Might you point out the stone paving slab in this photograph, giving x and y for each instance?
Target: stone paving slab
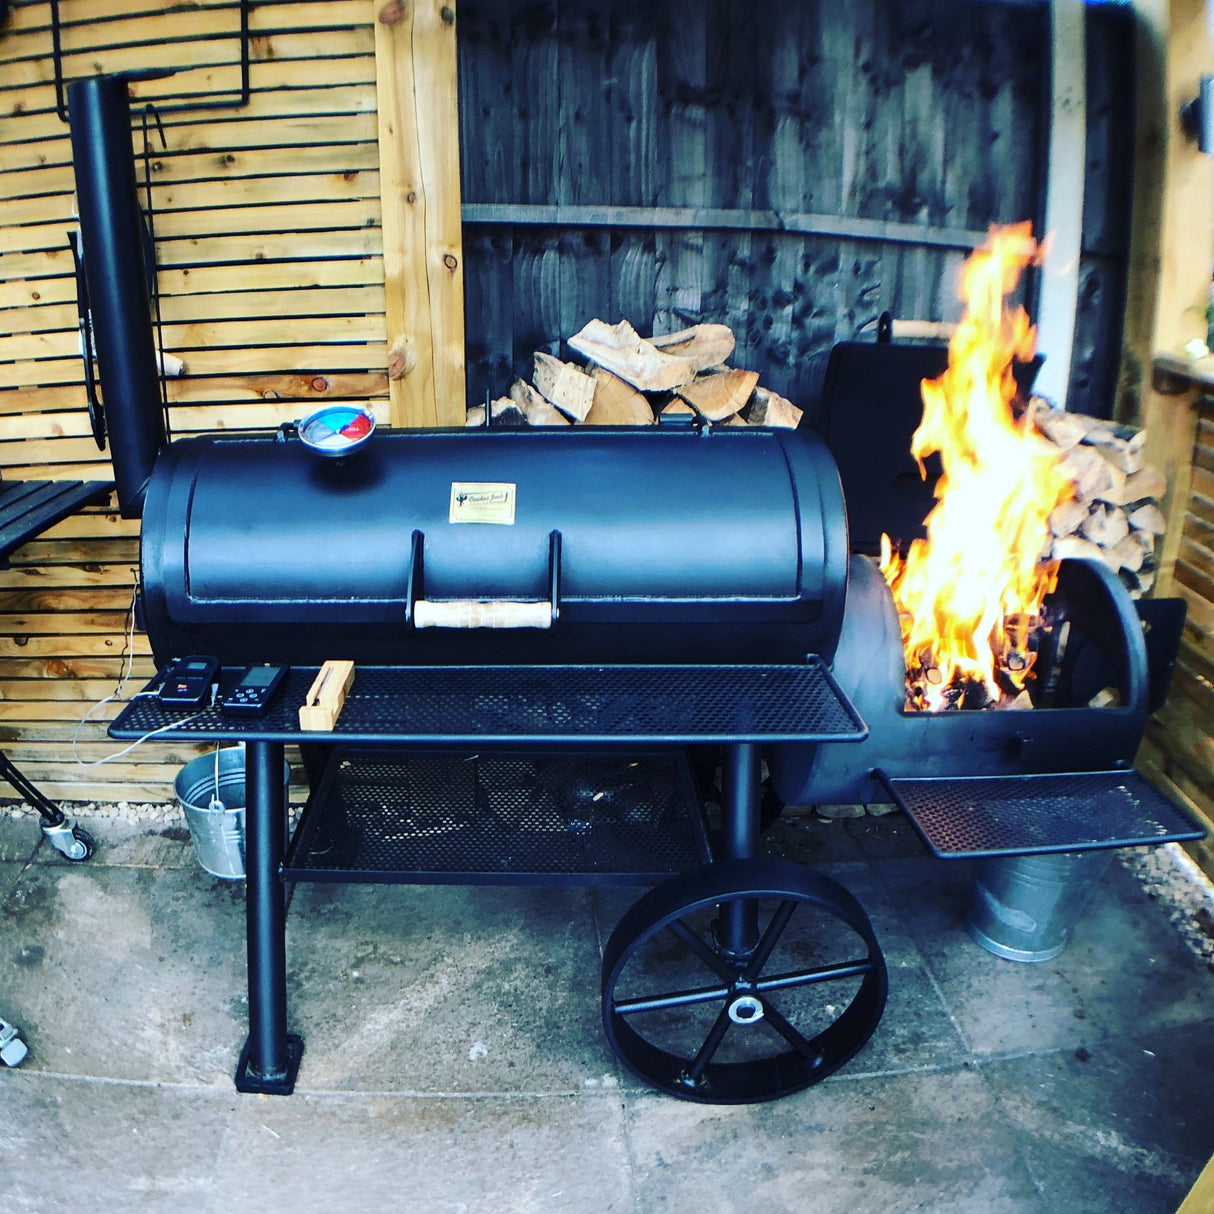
(929, 1141)
(1113, 1117)
(126, 973)
(69, 1144)
(515, 1155)
(445, 989)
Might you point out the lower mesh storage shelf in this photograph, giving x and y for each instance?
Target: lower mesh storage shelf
(498, 818)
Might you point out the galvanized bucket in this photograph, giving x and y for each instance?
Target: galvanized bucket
(217, 834)
(1023, 908)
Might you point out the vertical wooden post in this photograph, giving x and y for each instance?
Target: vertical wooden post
(415, 67)
(1064, 199)
(1187, 249)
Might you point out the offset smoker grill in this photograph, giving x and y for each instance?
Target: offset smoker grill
(685, 591)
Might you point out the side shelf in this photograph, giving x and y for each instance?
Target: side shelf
(1027, 815)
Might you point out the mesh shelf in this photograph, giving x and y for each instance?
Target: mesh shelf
(394, 816)
(542, 704)
(1024, 815)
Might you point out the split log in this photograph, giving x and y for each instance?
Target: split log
(475, 416)
(1149, 519)
(678, 408)
(570, 390)
(1095, 478)
(770, 409)
(1105, 527)
(622, 351)
(719, 394)
(1149, 483)
(505, 412)
(703, 346)
(1129, 553)
(1066, 518)
(537, 410)
(1072, 547)
(1063, 429)
(617, 403)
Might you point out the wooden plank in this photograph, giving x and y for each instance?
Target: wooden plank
(1171, 425)
(422, 242)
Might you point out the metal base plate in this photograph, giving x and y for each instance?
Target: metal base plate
(1032, 814)
(284, 1085)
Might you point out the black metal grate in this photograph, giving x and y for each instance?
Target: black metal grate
(1024, 815)
(545, 704)
(382, 815)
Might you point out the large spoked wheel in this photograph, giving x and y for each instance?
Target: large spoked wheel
(708, 1010)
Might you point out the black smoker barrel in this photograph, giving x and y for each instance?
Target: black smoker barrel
(661, 546)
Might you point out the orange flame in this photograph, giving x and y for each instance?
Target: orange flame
(978, 573)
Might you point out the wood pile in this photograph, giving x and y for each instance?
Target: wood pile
(623, 379)
(1114, 516)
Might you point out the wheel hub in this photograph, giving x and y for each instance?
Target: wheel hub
(745, 1009)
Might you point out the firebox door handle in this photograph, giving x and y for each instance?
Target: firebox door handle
(493, 613)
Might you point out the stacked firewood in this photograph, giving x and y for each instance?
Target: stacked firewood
(628, 380)
(1114, 516)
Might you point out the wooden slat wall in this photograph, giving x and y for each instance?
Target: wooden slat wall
(1178, 751)
(268, 227)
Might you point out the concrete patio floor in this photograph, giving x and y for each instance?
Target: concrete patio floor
(455, 1059)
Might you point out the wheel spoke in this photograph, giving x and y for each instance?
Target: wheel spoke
(771, 937)
(716, 1035)
(653, 1003)
(821, 973)
(702, 950)
(797, 1040)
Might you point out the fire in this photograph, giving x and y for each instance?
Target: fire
(965, 593)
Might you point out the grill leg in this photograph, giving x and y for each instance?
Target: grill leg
(270, 1060)
(738, 929)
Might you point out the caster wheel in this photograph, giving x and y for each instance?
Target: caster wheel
(82, 846)
(797, 993)
(85, 845)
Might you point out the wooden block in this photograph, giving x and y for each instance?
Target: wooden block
(564, 385)
(719, 394)
(622, 351)
(704, 346)
(326, 696)
(617, 403)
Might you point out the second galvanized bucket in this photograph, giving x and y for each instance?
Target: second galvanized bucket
(1024, 907)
